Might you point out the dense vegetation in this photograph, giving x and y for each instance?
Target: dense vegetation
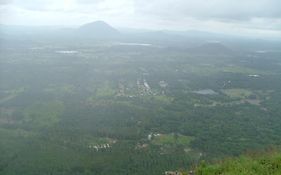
(253, 164)
(73, 107)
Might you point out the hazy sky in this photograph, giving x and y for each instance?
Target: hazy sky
(257, 17)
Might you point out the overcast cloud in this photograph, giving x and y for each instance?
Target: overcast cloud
(228, 16)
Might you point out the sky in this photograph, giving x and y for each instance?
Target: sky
(245, 17)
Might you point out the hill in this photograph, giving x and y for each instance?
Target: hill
(98, 29)
(212, 48)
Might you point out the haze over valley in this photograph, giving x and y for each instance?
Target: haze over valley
(115, 98)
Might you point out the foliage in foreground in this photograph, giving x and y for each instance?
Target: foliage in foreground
(268, 163)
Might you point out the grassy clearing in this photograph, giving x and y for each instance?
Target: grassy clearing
(237, 93)
(171, 139)
(99, 140)
(60, 89)
(163, 99)
(12, 94)
(200, 70)
(15, 133)
(242, 70)
(43, 114)
(105, 90)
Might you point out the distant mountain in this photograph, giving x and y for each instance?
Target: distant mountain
(212, 48)
(98, 29)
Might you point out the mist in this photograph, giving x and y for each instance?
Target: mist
(136, 87)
